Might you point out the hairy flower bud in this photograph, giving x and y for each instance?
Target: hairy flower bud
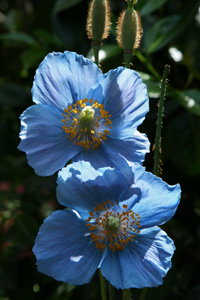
(129, 30)
(98, 21)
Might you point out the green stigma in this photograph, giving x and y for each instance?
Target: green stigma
(113, 224)
(86, 118)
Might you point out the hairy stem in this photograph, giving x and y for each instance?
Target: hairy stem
(159, 121)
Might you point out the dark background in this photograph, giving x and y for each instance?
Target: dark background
(31, 29)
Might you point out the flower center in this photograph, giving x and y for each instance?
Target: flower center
(86, 118)
(112, 226)
(87, 125)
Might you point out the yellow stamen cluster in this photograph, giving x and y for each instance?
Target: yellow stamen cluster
(83, 121)
(127, 226)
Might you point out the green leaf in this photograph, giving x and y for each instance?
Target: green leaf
(33, 57)
(48, 38)
(153, 86)
(147, 7)
(161, 33)
(18, 38)
(190, 99)
(12, 21)
(26, 228)
(13, 95)
(61, 5)
(181, 142)
(6, 279)
(191, 51)
(69, 23)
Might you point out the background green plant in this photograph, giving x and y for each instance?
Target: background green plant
(29, 30)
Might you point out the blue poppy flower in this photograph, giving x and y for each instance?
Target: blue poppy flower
(82, 114)
(111, 224)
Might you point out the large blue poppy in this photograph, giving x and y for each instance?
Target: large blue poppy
(110, 223)
(82, 114)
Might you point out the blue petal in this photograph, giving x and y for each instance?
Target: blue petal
(81, 187)
(64, 250)
(142, 263)
(132, 149)
(159, 200)
(124, 96)
(64, 78)
(103, 157)
(43, 139)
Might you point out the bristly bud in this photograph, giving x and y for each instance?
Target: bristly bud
(129, 30)
(98, 21)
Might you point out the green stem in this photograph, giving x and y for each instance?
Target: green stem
(148, 65)
(103, 286)
(131, 3)
(159, 122)
(189, 80)
(96, 47)
(126, 294)
(127, 57)
(111, 291)
(143, 294)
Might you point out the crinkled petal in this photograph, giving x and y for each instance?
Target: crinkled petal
(64, 78)
(64, 250)
(104, 156)
(81, 187)
(142, 263)
(132, 149)
(124, 96)
(43, 139)
(159, 201)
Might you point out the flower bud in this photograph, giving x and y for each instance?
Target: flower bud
(98, 21)
(129, 30)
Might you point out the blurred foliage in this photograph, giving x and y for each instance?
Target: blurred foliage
(30, 29)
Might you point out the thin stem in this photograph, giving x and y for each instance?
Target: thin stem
(131, 3)
(189, 80)
(127, 57)
(149, 66)
(143, 294)
(111, 291)
(126, 294)
(103, 286)
(96, 47)
(159, 122)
